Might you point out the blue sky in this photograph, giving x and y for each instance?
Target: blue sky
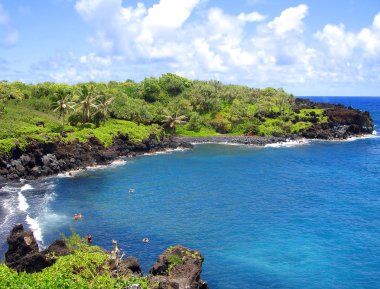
(309, 47)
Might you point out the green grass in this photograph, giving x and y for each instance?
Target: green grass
(273, 126)
(300, 126)
(18, 126)
(174, 260)
(305, 114)
(86, 267)
(107, 132)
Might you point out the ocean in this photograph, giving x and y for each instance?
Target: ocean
(284, 216)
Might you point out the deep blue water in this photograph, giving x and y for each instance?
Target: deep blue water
(296, 217)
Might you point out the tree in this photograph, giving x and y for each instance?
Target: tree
(87, 102)
(195, 121)
(63, 105)
(150, 89)
(220, 123)
(173, 84)
(171, 121)
(203, 97)
(104, 106)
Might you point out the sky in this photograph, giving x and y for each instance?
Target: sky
(310, 47)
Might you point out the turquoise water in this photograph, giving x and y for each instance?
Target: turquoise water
(289, 217)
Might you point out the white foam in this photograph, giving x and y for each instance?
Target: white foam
(7, 205)
(26, 187)
(9, 189)
(166, 151)
(287, 144)
(69, 174)
(22, 203)
(119, 162)
(35, 227)
(366, 136)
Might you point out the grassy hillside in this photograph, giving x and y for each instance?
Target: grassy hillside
(170, 103)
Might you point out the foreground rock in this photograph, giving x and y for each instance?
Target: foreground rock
(43, 159)
(23, 253)
(178, 268)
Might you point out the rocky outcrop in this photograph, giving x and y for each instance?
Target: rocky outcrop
(342, 122)
(43, 159)
(23, 253)
(178, 268)
(127, 267)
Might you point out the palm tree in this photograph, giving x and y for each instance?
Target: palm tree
(170, 121)
(103, 107)
(63, 105)
(87, 103)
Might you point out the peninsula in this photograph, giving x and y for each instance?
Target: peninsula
(48, 128)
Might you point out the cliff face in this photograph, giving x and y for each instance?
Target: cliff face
(342, 122)
(44, 159)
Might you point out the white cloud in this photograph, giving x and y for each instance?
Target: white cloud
(251, 17)
(290, 20)
(68, 68)
(178, 36)
(342, 43)
(339, 42)
(8, 35)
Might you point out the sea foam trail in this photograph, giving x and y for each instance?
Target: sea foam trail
(35, 227)
(22, 203)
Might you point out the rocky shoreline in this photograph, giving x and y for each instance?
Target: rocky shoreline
(40, 159)
(23, 255)
(243, 140)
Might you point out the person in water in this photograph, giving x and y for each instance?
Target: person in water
(145, 240)
(78, 217)
(89, 238)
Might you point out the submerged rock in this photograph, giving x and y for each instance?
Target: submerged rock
(178, 268)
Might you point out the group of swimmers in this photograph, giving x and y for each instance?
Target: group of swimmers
(79, 216)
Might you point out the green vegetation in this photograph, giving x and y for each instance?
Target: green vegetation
(174, 260)
(86, 267)
(169, 104)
